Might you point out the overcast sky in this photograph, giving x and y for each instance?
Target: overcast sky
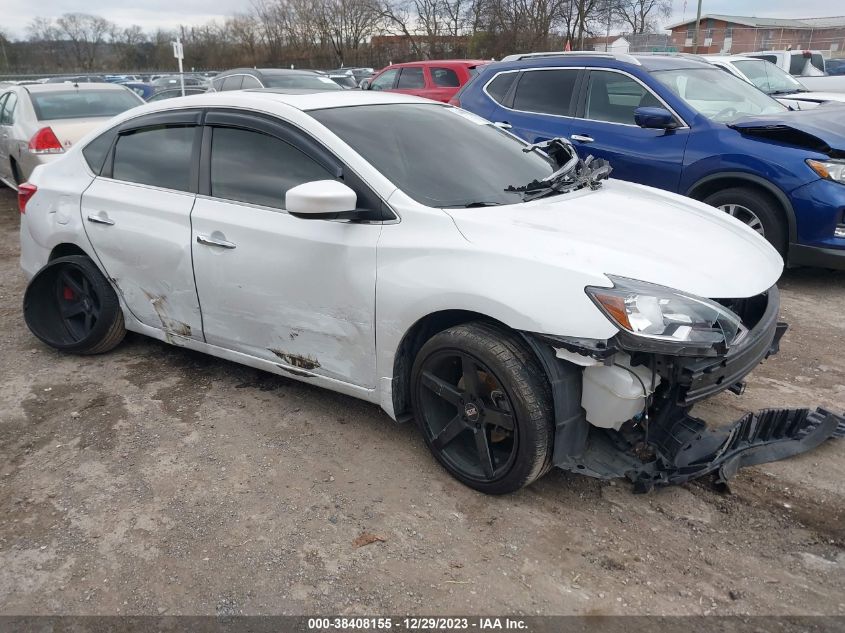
(15, 15)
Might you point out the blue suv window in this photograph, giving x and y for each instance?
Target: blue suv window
(498, 88)
(614, 97)
(546, 91)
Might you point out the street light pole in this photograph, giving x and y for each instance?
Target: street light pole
(697, 29)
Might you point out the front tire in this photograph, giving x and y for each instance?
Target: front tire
(484, 406)
(71, 307)
(758, 210)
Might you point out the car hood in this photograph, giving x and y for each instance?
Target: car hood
(819, 129)
(630, 231)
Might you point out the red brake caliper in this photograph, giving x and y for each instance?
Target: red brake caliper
(68, 294)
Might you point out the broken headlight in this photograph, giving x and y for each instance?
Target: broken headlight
(829, 169)
(670, 316)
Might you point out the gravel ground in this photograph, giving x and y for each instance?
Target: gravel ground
(156, 480)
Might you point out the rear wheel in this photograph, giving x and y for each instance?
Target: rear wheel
(484, 407)
(758, 210)
(71, 306)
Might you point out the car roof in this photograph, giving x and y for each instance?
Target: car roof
(442, 62)
(613, 60)
(83, 86)
(266, 71)
(268, 100)
(730, 58)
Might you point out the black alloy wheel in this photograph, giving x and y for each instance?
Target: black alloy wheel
(484, 407)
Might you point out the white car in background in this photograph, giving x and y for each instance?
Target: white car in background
(525, 310)
(40, 122)
(773, 81)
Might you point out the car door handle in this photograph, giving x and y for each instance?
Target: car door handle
(582, 138)
(503, 125)
(213, 241)
(101, 219)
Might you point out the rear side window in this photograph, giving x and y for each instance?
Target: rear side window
(96, 151)
(82, 104)
(411, 78)
(546, 91)
(499, 87)
(159, 156)
(445, 78)
(252, 167)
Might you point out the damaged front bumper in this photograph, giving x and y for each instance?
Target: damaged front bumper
(665, 444)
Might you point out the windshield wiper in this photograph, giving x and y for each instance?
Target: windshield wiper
(572, 173)
(472, 205)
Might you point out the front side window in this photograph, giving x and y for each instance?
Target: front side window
(82, 104)
(718, 96)
(614, 97)
(252, 167)
(250, 82)
(411, 79)
(233, 82)
(465, 159)
(385, 80)
(7, 112)
(159, 156)
(445, 78)
(546, 91)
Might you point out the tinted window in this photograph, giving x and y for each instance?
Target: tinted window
(7, 116)
(232, 82)
(250, 83)
(445, 78)
(158, 156)
(82, 104)
(613, 97)
(411, 78)
(257, 168)
(467, 159)
(499, 87)
(545, 91)
(384, 81)
(95, 152)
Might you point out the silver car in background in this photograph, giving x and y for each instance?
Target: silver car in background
(41, 121)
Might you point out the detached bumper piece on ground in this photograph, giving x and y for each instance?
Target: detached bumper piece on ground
(679, 449)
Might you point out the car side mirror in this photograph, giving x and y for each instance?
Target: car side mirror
(655, 118)
(321, 200)
(365, 84)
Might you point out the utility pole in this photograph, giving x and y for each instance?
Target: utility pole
(697, 29)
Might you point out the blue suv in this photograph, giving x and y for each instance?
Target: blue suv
(681, 124)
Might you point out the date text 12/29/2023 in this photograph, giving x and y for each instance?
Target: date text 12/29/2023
(426, 623)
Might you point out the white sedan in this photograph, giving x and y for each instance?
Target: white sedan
(525, 310)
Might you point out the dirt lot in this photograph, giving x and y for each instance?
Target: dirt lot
(155, 480)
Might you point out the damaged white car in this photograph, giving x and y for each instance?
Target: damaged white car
(525, 310)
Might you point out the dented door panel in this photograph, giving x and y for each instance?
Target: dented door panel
(141, 236)
(299, 293)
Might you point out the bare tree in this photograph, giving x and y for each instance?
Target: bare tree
(86, 33)
(641, 16)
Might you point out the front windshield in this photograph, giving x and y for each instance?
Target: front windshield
(716, 94)
(440, 156)
(300, 82)
(768, 77)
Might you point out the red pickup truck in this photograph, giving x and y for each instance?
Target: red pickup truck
(438, 80)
